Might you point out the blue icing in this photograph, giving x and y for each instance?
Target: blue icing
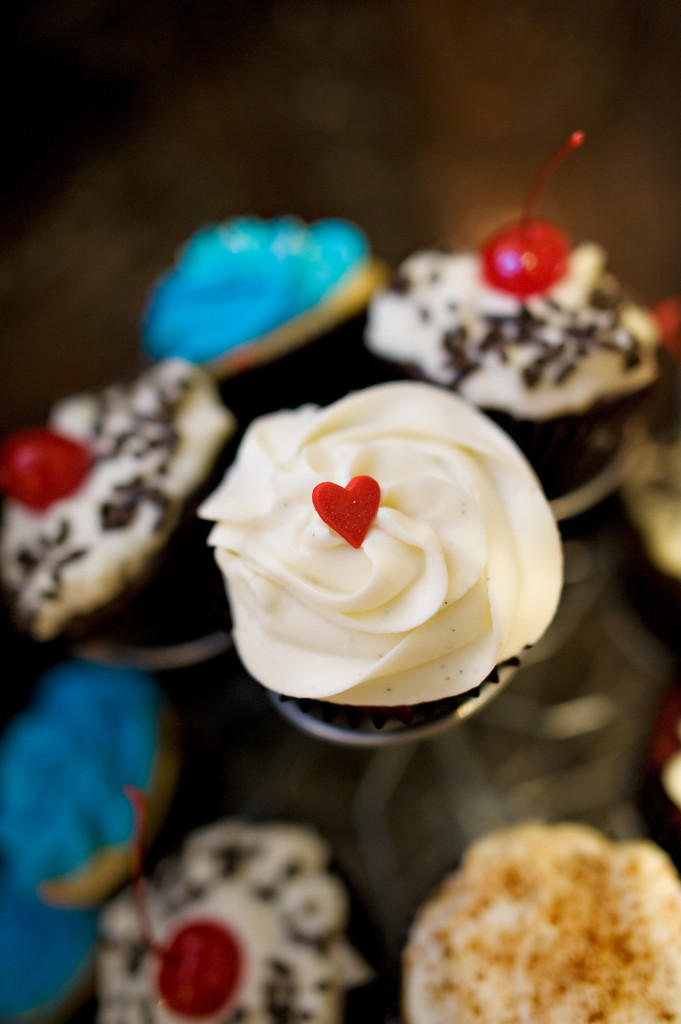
(236, 281)
(63, 763)
(41, 950)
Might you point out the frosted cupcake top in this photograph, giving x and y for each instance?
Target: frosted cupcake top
(63, 763)
(46, 955)
(460, 567)
(550, 354)
(153, 443)
(269, 887)
(549, 925)
(239, 280)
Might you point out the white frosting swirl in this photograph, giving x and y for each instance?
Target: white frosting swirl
(552, 354)
(459, 571)
(270, 886)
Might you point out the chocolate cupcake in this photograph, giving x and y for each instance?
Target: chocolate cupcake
(568, 371)
(99, 503)
(384, 557)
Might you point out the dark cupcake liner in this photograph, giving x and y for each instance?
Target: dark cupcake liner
(568, 452)
(378, 725)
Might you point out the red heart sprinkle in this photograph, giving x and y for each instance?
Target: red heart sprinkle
(348, 510)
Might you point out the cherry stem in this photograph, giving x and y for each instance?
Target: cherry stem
(537, 187)
(139, 803)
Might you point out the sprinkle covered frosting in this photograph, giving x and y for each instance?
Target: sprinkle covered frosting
(459, 570)
(239, 280)
(549, 925)
(269, 886)
(550, 354)
(63, 762)
(154, 442)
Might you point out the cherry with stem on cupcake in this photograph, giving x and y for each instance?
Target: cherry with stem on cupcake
(39, 466)
(201, 965)
(529, 255)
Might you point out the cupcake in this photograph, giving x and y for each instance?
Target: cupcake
(95, 504)
(537, 333)
(544, 924)
(257, 897)
(65, 824)
(383, 556)
(661, 789)
(247, 292)
(46, 958)
(651, 498)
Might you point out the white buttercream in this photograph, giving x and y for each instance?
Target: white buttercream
(459, 571)
(124, 452)
(443, 293)
(549, 925)
(269, 885)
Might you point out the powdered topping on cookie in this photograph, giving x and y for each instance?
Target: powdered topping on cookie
(153, 443)
(458, 570)
(548, 354)
(549, 925)
(268, 885)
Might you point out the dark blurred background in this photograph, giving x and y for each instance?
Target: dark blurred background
(129, 123)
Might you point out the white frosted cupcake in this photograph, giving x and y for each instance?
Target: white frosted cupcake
(563, 369)
(388, 552)
(549, 925)
(94, 503)
(262, 900)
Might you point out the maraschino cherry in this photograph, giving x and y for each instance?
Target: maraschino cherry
(528, 256)
(38, 466)
(201, 965)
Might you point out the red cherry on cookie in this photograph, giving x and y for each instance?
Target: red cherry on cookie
(200, 969)
(348, 510)
(201, 966)
(39, 466)
(529, 255)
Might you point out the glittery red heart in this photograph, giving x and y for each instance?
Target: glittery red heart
(348, 510)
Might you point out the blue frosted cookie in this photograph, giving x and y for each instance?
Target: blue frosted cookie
(65, 823)
(246, 291)
(46, 957)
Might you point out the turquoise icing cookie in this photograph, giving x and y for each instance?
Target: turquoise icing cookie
(44, 953)
(63, 762)
(239, 280)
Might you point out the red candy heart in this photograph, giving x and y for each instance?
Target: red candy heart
(348, 510)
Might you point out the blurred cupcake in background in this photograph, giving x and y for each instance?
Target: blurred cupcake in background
(245, 922)
(537, 333)
(548, 923)
(248, 292)
(99, 506)
(65, 823)
(47, 957)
